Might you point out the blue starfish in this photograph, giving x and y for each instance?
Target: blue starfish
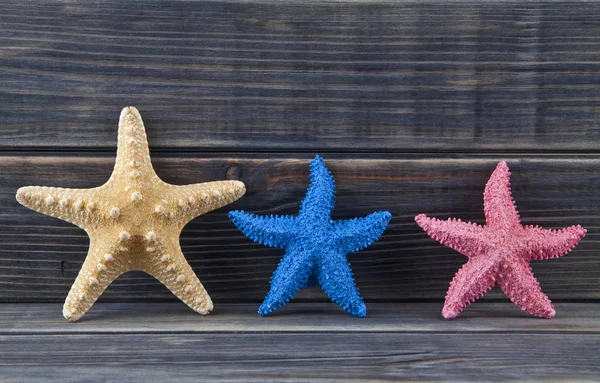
(316, 246)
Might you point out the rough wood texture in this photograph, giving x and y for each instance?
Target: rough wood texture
(41, 256)
(300, 357)
(431, 94)
(407, 345)
(303, 75)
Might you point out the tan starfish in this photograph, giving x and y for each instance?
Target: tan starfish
(134, 221)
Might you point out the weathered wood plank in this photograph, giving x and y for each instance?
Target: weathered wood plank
(109, 318)
(40, 256)
(303, 75)
(300, 357)
(302, 342)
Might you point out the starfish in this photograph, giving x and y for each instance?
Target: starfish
(499, 252)
(134, 221)
(316, 246)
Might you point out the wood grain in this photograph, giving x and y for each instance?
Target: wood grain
(411, 103)
(313, 317)
(397, 342)
(303, 75)
(303, 342)
(298, 357)
(41, 256)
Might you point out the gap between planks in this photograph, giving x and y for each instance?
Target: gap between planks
(351, 153)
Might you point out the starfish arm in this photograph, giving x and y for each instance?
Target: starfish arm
(291, 275)
(336, 279)
(545, 244)
(72, 205)
(133, 153)
(190, 201)
(273, 231)
(169, 266)
(465, 237)
(320, 196)
(498, 204)
(521, 287)
(100, 268)
(474, 279)
(358, 233)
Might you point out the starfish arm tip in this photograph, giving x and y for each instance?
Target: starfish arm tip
(428, 224)
(545, 312)
(581, 231)
(239, 188)
(262, 311)
(381, 220)
(265, 309)
(206, 308)
(233, 214)
(317, 164)
(360, 311)
(448, 313)
(130, 110)
(69, 315)
(237, 218)
(130, 116)
(22, 194)
(317, 159)
(72, 311)
(421, 219)
(425, 223)
(232, 189)
(385, 216)
(32, 196)
(318, 168)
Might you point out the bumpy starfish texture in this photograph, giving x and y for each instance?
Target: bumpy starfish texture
(499, 252)
(134, 221)
(316, 247)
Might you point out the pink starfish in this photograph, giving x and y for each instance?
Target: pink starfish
(499, 252)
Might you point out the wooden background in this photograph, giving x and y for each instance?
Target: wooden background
(411, 104)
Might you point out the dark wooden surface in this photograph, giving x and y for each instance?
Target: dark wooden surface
(307, 75)
(302, 342)
(41, 256)
(411, 103)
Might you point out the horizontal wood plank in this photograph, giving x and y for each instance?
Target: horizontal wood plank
(315, 317)
(296, 357)
(303, 75)
(302, 342)
(40, 256)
